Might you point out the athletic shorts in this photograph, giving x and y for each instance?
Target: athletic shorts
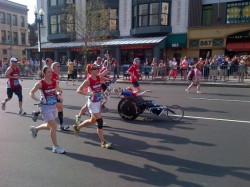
(17, 91)
(94, 107)
(48, 112)
(136, 84)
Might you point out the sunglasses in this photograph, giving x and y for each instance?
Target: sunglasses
(95, 68)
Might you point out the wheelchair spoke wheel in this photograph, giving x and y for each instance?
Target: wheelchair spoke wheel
(128, 108)
(175, 112)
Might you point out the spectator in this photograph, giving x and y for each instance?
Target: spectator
(154, 69)
(162, 69)
(115, 65)
(213, 72)
(223, 68)
(242, 68)
(183, 68)
(173, 72)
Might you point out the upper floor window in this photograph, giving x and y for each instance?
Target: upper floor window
(8, 19)
(150, 14)
(61, 2)
(23, 38)
(238, 12)
(61, 23)
(113, 19)
(3, 34)
(14, 20)
(206, 15)
(22, 21)
(2, 17)
(15, 38)
(52, 2)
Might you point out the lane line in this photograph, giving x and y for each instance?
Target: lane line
(226, 100)
(217, 119)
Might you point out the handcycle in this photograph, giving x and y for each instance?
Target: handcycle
(130, 107)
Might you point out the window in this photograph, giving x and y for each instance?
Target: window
(61, 2)
(154, 17)
(15, 38)
(206, 15)
(143, 15)
(164, 13)
(53, 24)
(194, 43)
(238, 12)
(8, 41)
(53, 3)
(14, 20)
(150, 14)
(218, 42)
(113, 19)
(61, 23)
(3, 34)
(23, 38)
(8, 19)
(5, 51)
(22, 22)
(2, 17)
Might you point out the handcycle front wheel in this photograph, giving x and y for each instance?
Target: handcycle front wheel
(174, 112)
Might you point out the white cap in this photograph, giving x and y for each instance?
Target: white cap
(13, 59)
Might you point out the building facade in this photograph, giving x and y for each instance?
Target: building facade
(13, 30)
(218, 27)
(138, 28)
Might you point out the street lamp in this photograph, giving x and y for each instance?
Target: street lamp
(39, 22)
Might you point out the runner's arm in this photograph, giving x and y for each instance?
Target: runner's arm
(81, 89)
(37, 86)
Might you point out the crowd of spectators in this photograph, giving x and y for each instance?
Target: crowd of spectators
(214, 68)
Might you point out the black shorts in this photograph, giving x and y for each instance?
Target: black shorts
(17, 91)
(136, 84)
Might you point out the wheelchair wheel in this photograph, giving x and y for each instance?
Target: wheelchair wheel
(128, 108)
(175, 112)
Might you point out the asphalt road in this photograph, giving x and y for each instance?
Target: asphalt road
(209, 147)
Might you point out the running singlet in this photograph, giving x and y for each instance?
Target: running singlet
(48, 92)
(95, 87)
(13, 83)
(135, 70)
(55, 76)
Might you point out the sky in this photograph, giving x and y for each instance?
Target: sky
(31, 6)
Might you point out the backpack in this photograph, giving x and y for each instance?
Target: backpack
(190, 75)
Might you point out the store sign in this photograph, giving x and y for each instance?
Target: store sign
(175, 45)
(245, 35)
(206, 43)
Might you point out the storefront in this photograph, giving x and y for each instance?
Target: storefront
(238, 44)
(176, 45)
(123, 49)
(221, 40)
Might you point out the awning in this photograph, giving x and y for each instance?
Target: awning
(238, 46)
(177, 40)
(113, 42)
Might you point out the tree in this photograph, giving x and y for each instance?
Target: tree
(90, 24)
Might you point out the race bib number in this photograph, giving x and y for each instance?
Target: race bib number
(51, 100)
(97, 97)
(16, 82)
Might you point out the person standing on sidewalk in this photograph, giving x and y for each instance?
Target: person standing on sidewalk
(50, 93)
(13, 85)
(134, 72)
(93, 83)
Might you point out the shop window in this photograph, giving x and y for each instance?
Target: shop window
(206, 15)
(218, 42)
(194, 43)
(238, 12)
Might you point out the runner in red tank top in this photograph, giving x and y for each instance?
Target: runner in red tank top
(49, 94)
(13, 85)
(94, 101)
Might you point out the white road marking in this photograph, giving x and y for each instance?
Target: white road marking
(217, 119)
(226, 100)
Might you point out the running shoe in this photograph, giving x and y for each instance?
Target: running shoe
(3, 106)
(187, 90)
(106, 145)
(76, 131)
(198, 92)
(58, 149)
(78, 119)
(64, 127)
(21, 112)
(33, 131)
(34, 116)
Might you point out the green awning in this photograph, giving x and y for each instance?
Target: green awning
(177, 40)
